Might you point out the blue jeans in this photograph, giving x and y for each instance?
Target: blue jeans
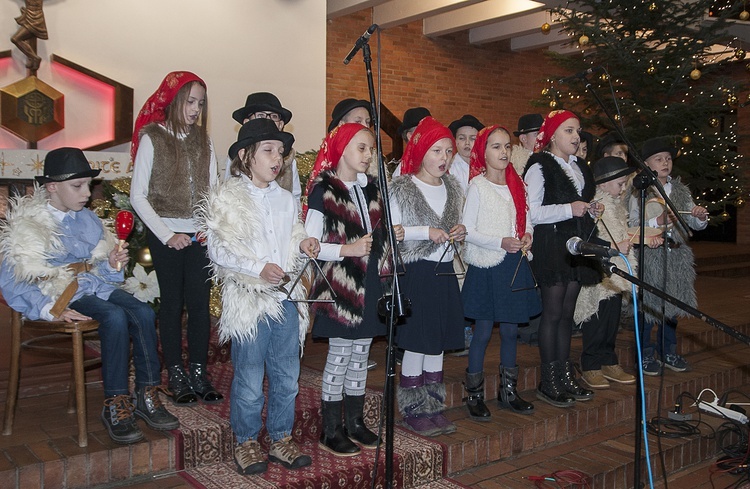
(664, 345)
(275, 346)
(121, 318)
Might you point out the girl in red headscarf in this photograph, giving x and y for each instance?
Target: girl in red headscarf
(345, 214)
(174, 166)
(497, 288)
(427, 202)
(561, 188)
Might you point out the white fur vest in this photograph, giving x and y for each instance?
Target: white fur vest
(229, 218)
(519, 157)
(27, 220)
(496, 217)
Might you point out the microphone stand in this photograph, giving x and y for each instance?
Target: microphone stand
(642, 181)
(392, 305)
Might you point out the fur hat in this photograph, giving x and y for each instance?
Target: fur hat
(66, 164)
(465, 120)
(256, 130)
(342, 108)
(261, 102)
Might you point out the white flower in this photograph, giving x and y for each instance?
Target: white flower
(143, 286)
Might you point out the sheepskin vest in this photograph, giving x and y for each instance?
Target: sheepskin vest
(27, 220)
(614, 219)
(180, 173)
(229, 218)
(415, 211)
(496, 217)
(519, 157)
(285, 178)
(342, 225)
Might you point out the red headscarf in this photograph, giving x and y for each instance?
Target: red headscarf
(478, 166)
(428, 132)
(549, 126)
(331, 150)
(154, 108)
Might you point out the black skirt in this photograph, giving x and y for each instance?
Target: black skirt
(552, 264)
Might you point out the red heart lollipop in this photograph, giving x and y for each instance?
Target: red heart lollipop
(123, 227)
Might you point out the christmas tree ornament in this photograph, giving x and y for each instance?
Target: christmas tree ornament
(653, 7)
(740, 54)
(695, 74)
(123, 227)
(732, 100)
(617, 117)
(739, 201)
(651, 70)
(553, 104)
(545, 91)
(686, 140)
(583, 40)
(724, 216)
(603, 77)
(546, 28)
(713, 122)
(744, 15)
(723, 168)
(144, 257)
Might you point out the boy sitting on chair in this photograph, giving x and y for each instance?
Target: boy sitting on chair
(59, 263)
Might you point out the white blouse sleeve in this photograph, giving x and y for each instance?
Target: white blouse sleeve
(543, 214)
(144, 162)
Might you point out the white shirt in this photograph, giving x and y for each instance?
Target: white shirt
(692, 221)
(471, 214)
(163, 227)
(315, 218)
(296, 186)
(549, 214)
(436, 196)
(460, 170)
(278, 213)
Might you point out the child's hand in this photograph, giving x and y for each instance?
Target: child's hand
(119, 254)
(526, 241)
(398, 230)
(511, 245)
(70, 315)
(655, 241)
(272, 273)
(359, 248)
(458, 232)
(179, 241)
(596, 209)
(579, 208)
(438, 236)
(623, 246)
(310, 247)
(699, 212)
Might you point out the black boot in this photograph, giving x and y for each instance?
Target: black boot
(474, 385)
(354, 423)
(179, 386)
(202, 386)
(150, 409)
(571, 384)
(551, 389)
(507, 395)
(332, 438)
(117, 417)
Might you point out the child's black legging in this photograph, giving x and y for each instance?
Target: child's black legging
(556, 322)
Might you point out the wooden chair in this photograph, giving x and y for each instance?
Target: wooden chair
(76, 331)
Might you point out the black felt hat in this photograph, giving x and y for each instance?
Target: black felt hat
(657, 145)
(261, 102)
(256, 130)
(66, 164)
(342, 108)
(411, 119)
(609, 168)
(465, 120)
(529, 123)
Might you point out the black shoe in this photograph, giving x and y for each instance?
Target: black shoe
(572, 386)
(202, 386)
(474, 385)
(354, 423)
(507, 394)
(150, 409)
(333, 439)
(117, 417)
(179, 386)
(551, 389)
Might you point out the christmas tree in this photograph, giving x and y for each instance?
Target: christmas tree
(663, 70)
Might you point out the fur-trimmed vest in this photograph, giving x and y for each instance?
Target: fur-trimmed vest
(495, 217)
(229, 218)
(178, 177)
(28, 218)
(614, 219)
(342, 225)
(519, 157)
(415, 211)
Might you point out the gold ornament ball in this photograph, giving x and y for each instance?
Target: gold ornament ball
(724, 216)
(723, 168)
(744, 15)
(651, 70)
(617, 117)
(713, 122)
(583, 40)
(552, 104)
(603, 77)
(740, 54)
(546, 28)
(739, 201)
(653, 7)
(695, 74)
(732, 100)
(144, 257)
(686, 140)
(545, 91)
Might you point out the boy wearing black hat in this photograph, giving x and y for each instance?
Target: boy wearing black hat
(676, 255)
(528, 128)
(59, 263)
(265, 105)
(351, 110)
(465, 132)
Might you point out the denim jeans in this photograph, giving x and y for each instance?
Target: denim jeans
(275, 346)
(663, 345)
(121, 318)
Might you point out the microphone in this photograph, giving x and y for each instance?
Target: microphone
(577, 246)
(582, 74)
(360, 42)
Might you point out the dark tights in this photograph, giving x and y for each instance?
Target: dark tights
(556, 322)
